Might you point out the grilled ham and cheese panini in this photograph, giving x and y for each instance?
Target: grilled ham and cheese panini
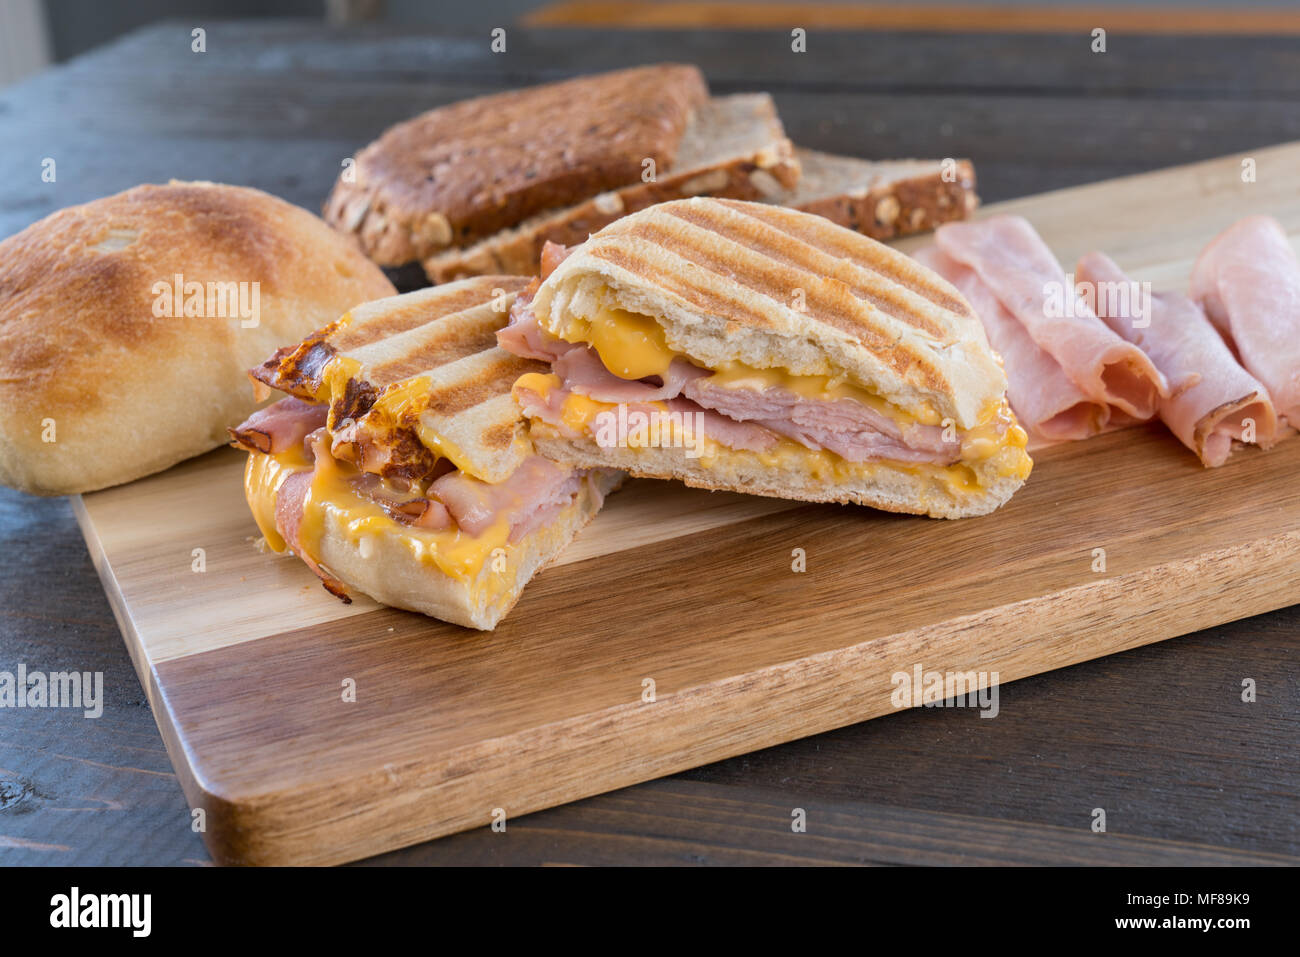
(399, 465)
(780, 355)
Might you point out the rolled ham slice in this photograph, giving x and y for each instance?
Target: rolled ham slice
(1212, 398)
(1019, 269)
(1043, 397)
(1248, 281)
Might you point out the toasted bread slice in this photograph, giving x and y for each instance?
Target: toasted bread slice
(734, 146)
(461, 172)
(883, 199)
(416, 377)
(780, 305)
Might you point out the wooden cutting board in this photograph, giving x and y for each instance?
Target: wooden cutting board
(245, 662)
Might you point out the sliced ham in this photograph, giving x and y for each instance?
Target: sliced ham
(523, 335)
(746, 436)
(1043, 397)
(552, 255)
(583, 372)
(1212, 397)
(1248, 281)
(850, 429)
(1019, 269)
(290, 499)
(402, 501)
(280, 426)
(477, 506)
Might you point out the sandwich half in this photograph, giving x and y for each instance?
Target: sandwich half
(741, 346)
(398, 464)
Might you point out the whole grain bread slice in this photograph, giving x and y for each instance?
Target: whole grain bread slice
(733, 147)
(459, 173)
(883, 199)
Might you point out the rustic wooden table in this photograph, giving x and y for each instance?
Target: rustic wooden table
(1158, 736)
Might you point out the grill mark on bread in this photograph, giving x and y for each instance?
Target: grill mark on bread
(826, 299)
(679, 283)
(811, 253)
(434, 344)
(500, 436)
(802, 258)
(902, 271)
(473, 389)
(385, 319)
(430, 356)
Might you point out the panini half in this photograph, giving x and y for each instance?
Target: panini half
(399, 466)
(778, 354)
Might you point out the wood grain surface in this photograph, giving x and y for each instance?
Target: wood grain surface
(1157, 735)
(245, 661)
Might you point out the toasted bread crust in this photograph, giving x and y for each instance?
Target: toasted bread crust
(129, 392)
(461, 172)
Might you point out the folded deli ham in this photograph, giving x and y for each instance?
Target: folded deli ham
(735, 416)
(1043, 397)
(1212, 399)
(1015, 264)
(1248, 280)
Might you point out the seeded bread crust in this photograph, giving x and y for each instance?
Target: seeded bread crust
(886, 199)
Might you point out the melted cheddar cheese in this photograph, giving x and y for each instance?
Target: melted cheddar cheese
(633, 346)
(452, 551)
